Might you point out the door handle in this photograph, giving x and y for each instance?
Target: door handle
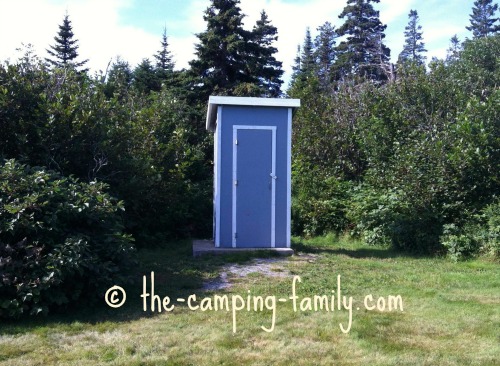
(273, 176)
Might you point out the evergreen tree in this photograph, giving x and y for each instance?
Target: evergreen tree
(363, 53)
(65, 50)
(307, 57)
(263, 65)
(145, 79)
(324, 52)
(483, 21)
(119, 78)
(163, 56)
(304, 62)
(453, 52)
(296, 65)
(414, 47)
(220, 64)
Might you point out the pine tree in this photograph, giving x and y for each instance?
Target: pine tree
(65, 50)
(324, 52)
(483, 21)
(263, 66)
(220, 65)
(363, 53)
(163, 56)
(414, 47)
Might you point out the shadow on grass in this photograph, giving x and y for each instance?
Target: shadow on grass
(337, 248)
(177, 274)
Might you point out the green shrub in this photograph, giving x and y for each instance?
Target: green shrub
(372, 213)
(479, 235)
(461, 243)
(491, 242)
(386, 217)
(318, 204)
(61, 241)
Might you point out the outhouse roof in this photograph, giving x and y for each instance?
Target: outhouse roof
(215, 101)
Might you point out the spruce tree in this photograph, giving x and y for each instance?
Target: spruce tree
(163, 57)
(220, 64)
(414, 47)
(296, 65)
(483, 20)
(304, 63)
(119, 79)
(363, 54)
(307, 57)
(453, 52)
(145, 78)
(324, 52)
(65, 50)
(263, 66)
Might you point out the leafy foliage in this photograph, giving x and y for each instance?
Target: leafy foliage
(412, 163)
(150, 148)
(61, 240)
(421, 153)
(479, 235)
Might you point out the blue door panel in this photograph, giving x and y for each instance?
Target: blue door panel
(254, 188)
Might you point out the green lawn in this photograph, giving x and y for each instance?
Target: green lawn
(451, 314)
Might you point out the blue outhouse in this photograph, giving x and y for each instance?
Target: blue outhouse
(252, 170)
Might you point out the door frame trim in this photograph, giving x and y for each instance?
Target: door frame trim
(273, 181)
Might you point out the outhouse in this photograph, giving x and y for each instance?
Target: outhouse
(252, 170)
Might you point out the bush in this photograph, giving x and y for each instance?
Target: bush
(491, 242)
(318, 203)
(61, 240)
(479, 235)
(386, 217)
(372, 214)
(461, 243)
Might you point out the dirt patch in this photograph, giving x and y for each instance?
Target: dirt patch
(272, 267)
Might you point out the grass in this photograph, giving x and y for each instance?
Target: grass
(451, 314)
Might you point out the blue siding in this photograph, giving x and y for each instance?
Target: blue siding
(253, 116)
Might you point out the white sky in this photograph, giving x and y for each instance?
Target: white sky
(132, 29)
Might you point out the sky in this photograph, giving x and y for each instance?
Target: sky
(132, 29)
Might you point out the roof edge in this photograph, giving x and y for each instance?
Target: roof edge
(215, 101)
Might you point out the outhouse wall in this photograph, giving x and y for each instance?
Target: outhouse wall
(227, 117)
